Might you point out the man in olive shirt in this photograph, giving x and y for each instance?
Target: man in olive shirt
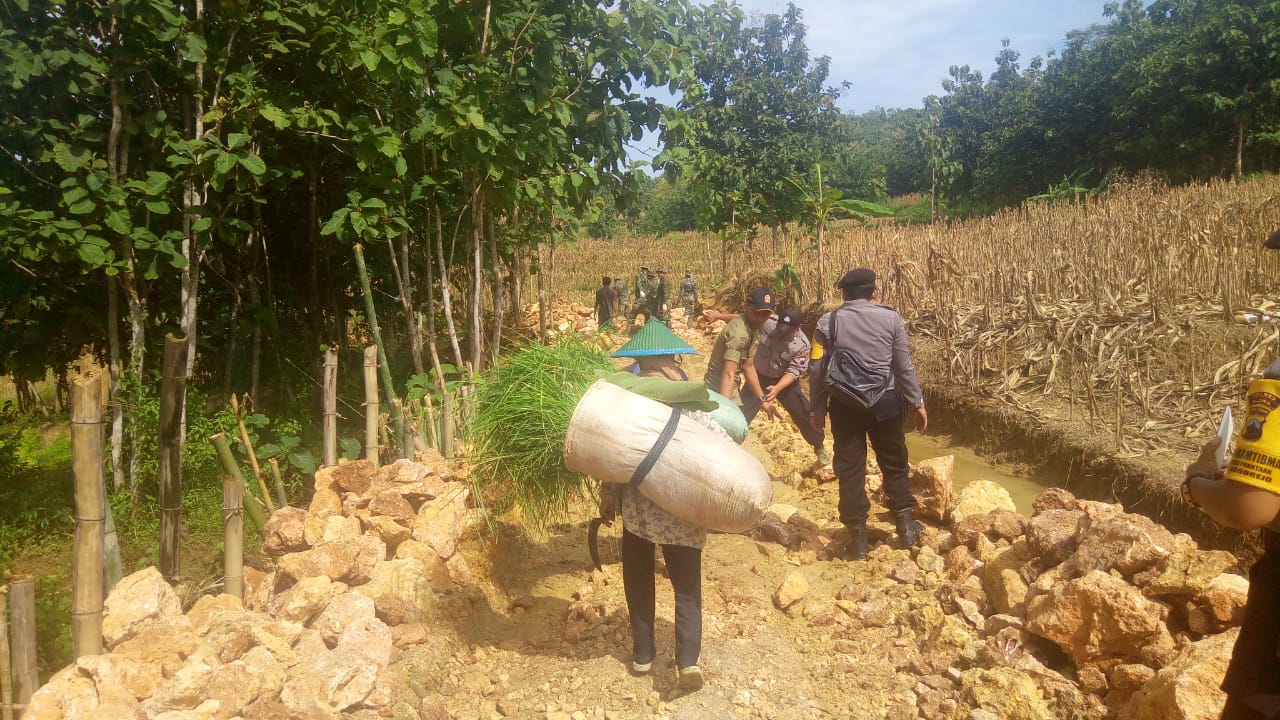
(735, 347)
(861, 372)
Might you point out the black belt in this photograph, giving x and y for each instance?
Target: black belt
(642, 470)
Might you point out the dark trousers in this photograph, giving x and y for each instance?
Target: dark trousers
(684, 565)
(1252, 681)
(793, 401)
(851, 426)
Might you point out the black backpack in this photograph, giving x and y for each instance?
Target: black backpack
(851, 378)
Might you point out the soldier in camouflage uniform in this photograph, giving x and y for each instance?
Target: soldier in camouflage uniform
(624, 297)
(643, 289)
(689, 296)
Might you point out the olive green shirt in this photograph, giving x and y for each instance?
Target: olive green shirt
(736, 343)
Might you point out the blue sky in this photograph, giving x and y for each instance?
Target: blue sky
(896, 52)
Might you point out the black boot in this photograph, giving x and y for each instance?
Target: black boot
(857, 547)
(908, 528)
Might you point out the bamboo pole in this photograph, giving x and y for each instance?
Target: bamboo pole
(374, 329)
(278, 482)
(232, 468)
(253, 456)
(233, 537)
(331, 407)
(172, 397)
(22, 611)
(6, 673)
(87, 461)
(371, 449)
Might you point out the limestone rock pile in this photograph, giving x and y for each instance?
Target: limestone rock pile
(1082, 610)
(356, 580)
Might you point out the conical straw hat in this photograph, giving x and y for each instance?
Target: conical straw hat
(654, 339)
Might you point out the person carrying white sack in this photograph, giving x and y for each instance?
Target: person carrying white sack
(646, 526)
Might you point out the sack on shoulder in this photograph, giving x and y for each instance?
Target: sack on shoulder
(855, 380)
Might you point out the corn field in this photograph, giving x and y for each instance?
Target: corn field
(1144, 310)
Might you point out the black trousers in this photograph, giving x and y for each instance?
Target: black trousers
(851, 426)
(1252, 681)
(793, 401)
(684, 565)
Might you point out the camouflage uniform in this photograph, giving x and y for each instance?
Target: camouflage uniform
(689, 296)
(644, 292)
(624, 297)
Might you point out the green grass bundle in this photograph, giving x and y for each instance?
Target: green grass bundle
(522, 413)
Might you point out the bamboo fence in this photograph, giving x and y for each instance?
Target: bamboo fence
(6, 669)
(233, 537)
(331, 407)
(172, 394)
(90, 499)
(22, 616)
(371, 421)
(229, 465)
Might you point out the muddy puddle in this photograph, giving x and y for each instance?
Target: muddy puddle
(970, 466)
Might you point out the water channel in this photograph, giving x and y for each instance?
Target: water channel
(970, 466)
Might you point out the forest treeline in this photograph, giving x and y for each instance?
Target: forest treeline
(210, 169)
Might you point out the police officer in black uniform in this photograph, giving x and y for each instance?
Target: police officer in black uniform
(862, 375)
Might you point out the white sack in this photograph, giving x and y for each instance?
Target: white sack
(700, 477)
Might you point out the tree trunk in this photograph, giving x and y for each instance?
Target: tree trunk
(495, 260)
(404, 281)
(1240, 128)
(542, 297)
(446, 296)
(822, 264)
(396, 415)
(137, 349)
(116, 367)
(477, 286)
(190, 243)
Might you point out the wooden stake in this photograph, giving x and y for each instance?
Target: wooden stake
(232, 468)
(253, 456)
(331, 407)
(172, 397)
(86, 572)
(22, 611)
(6, 673)
(279, 483)
(233, 537)
(371, 449)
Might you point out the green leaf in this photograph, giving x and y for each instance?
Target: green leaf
(118, 220)
(253, 164)
(275, 116)
(83, 207)
(194, 48)
(235, 140)
(475, 119)
(201, 224)
(304, 461)
(370, 59)
(334, 224)
(92, 255)
(223, 163)
(350, 448)
(158, 207)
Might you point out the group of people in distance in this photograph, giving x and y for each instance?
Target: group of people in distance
(653, 298)
(862, 377)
